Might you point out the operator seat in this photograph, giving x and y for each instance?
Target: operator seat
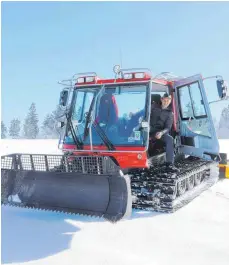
(108, 110)
(155, 99)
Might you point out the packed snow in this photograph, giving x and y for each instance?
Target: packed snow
(196, 234)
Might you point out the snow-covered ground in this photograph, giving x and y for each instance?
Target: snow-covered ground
(196, 234)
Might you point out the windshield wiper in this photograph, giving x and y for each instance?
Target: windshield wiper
(88, 118)
(77, 142)
(103, 136)
(96, 126)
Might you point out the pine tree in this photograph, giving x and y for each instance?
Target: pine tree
(223, 130)
(14, 130)
(31, 128)
(224, 119)
(3, 130)
(49, 126)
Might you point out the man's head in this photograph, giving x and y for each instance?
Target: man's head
(165, 100)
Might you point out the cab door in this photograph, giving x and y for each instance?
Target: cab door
(197, 135)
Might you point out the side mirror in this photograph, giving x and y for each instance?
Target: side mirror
(63, 98)
(222, 89)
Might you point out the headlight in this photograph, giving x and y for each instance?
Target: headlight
(139, 75)
(128, 76)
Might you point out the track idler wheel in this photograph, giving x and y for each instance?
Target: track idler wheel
(190, 182)
(181, 187)
(197, 179)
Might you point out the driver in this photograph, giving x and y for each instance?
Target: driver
(108, 110)
(107, 117)
(161, 121)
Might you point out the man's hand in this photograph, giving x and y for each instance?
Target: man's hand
(158, 135)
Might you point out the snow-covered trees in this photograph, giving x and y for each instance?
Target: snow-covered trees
(3, 130)
(31, 128)
(223, 131)
(49, 128)
(15, 127)
(224, 119)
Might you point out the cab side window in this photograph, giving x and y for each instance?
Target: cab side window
(192, 109)
(191, 101)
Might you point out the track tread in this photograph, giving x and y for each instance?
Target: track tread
(156, 188)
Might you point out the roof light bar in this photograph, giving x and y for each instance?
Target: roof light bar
(128, 76)
(80, 80)
(137, 72)
(86, 79)
(89, 79)
(139, 75)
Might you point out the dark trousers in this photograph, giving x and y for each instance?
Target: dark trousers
(169, 147)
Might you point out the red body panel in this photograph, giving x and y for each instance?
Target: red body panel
(125, 160)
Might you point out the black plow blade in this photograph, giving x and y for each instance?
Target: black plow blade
(85, 185)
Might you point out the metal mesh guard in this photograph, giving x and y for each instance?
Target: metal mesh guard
(59, 163)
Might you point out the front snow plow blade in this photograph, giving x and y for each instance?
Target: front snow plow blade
(89, 185)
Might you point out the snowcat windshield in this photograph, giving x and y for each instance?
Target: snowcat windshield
(118, 110)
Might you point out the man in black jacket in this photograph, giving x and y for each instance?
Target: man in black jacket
(161, 120)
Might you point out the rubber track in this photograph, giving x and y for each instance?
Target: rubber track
(156, 188)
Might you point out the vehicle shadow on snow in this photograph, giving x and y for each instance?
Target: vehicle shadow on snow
(31, 235)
